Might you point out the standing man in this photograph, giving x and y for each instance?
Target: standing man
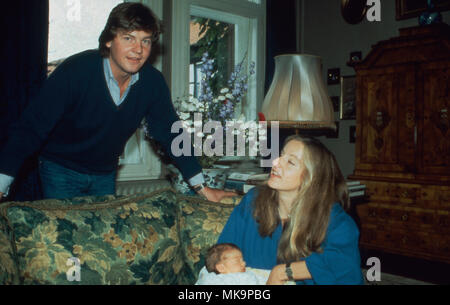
(90, 106)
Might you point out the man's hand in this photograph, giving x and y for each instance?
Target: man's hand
(215, 195)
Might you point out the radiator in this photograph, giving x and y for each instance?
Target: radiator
(138, 187)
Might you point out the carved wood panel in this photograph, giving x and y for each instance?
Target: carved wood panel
(388, 120)
(435, 136)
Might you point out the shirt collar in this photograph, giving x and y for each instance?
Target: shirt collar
(109, 75)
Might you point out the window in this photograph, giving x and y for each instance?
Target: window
(74, 26)
(217, 39)
(195, 75)
(243, 30)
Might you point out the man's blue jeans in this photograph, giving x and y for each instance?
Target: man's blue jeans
(60, 182)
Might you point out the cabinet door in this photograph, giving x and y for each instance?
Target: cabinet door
(434, 119)
(386, 121)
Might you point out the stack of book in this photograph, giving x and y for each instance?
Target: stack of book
(242, 183)
(356, 189)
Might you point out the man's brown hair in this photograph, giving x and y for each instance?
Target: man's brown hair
(128, 17)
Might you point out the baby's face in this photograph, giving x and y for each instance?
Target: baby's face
(232, 261)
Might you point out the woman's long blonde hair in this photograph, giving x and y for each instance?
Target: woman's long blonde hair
(323, 184)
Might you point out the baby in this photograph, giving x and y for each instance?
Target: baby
(225, 265)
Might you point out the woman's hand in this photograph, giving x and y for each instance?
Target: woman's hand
(277, 275)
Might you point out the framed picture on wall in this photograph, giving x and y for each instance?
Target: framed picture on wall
(405, 9)
(348, 98)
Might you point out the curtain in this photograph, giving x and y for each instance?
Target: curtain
(25, 40)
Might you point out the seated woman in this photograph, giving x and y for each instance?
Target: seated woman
(296, 224)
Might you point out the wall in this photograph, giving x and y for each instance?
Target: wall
(281, 33)
(324, 32)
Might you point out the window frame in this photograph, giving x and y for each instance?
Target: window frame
(250, 19)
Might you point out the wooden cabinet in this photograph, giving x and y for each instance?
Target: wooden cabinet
(403, 144)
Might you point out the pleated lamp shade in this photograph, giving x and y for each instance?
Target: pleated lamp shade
(297, 96)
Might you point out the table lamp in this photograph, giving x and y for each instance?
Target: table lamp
(297, 97)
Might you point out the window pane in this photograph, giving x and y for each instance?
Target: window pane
(75, 25)
(217, 39)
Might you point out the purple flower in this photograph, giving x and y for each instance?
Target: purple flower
(237, 88)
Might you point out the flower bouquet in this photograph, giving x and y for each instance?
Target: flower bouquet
(219, 108)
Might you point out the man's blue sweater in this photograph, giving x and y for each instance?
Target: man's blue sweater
(75, 122)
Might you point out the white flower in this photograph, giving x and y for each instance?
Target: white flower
(229, 96)
(198, 104)
(224, 90)
(222, 98)
(184, 116)
(251, 125)
(192, 108)
(241, 119)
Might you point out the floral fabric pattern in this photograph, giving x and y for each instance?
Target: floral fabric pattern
(129, 240)
(8, 268)
(156, 238)
(201, 223)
